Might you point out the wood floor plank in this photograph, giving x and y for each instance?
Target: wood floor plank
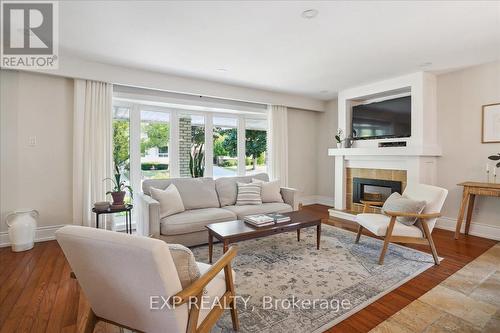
(56, 320)
(61, 305)
(48, 300)
(30, 311)
(24, 292)
(12, 288)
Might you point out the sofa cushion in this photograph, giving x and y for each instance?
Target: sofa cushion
(195, 192)
(401, 204)
(271, 191)
(265, 208)
(170, 200)
(227, 189)
(249, 194)
(193, 220)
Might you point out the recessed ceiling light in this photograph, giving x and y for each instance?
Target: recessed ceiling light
(309, 14)
(221, 69)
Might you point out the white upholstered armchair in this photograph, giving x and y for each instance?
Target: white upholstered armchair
(124, 277)
(386, 225)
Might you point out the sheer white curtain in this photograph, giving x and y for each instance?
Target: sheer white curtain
(92, 147)
(278, 143)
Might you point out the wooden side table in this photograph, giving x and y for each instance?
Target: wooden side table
(471, 189)
(128, 215)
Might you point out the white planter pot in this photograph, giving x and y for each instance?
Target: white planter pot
(22, 226)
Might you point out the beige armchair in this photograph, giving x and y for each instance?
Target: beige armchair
(386, 225)
(132, 282)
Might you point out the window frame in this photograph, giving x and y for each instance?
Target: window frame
(136, 107)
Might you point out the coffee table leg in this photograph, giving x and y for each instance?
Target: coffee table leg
(298, 235)
(210, 246)
(318, 235)
(224, 250)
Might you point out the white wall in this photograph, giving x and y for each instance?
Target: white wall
(38, 177)
(302, 152)
(460, 96)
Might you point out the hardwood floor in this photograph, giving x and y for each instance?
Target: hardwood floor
(38, 295)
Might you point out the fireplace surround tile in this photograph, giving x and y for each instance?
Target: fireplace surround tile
(379, 174)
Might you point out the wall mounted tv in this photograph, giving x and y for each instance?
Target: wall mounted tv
(389, 118)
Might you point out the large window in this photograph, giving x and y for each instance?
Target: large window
(156, 142)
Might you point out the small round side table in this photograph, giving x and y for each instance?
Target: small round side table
(111, 210)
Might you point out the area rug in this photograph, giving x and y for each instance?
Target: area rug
(289, 286)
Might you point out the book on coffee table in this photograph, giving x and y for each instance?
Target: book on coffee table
(261, 220)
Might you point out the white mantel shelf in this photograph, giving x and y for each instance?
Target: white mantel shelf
(386, 151)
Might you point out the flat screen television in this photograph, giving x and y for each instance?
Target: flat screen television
(390, 118)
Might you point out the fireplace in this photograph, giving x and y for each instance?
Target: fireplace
(373, 189)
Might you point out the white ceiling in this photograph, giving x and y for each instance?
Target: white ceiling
(268, 45)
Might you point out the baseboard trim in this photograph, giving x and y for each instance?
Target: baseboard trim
(317, 199)
(42, 234)
(476, 229)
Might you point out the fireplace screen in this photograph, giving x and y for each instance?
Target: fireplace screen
(373, 189)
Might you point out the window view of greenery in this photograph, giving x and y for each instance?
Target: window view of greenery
(255, 145)
(255, 151)
(155, 138)
(225, 147)
(121, 149)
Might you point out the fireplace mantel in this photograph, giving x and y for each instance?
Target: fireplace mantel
(388, 151)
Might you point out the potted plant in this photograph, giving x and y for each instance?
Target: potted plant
(119, 186)
(338, 137)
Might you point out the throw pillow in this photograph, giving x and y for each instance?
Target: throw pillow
(271, 191)
(187, 268)
(249, 194)
(398, 203)
(170, 200)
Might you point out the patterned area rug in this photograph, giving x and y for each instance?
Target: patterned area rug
(289, 286)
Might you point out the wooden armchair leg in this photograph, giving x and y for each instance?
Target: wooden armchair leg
(230, 286)
(387, 239)
(384, 250)
(428, 235)
(358, 236)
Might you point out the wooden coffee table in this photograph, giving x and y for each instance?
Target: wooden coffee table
(236, 231)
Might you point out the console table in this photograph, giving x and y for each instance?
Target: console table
(471, 189)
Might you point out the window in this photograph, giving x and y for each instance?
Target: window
(225, 146)
(121, 140)
(255, 145)
(121, 154)
(155, 140)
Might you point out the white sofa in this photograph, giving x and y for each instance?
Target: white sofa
(206, 201)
